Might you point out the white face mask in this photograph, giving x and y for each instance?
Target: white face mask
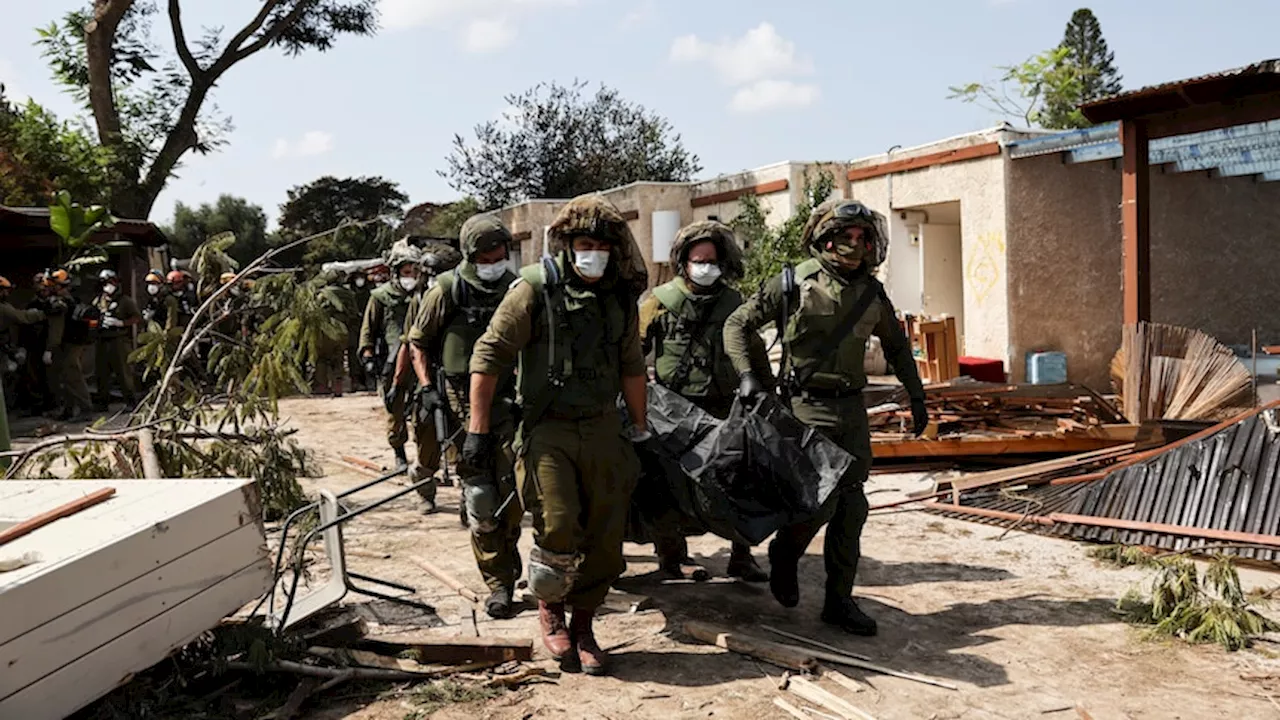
(591, 263)
(359, 282)
(491, 271)
(409, 283)
(704, 274)
(109, 289)
(153, 289)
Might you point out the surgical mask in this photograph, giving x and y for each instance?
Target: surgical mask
(153, 289)
(491, 271)
(109, 289)
(409, 283)
(359, 282)
(704, 274)
(591, 263)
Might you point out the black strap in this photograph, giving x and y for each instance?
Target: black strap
(832, 341)
(685, 365)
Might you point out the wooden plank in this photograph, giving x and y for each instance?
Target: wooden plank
(781, 655)
(66, 509)
(75, 634)
(119, 548)
(1230, 536)
(80, 682)
(732, 195)
(438, 573)
(997, 446)
(430, 647)
(808, 690)
(1045, 467)
(1135, 214)
(918, 162)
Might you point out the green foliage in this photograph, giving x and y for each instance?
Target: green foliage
(1024, 91)
(554, 142)
(768, 248)
(435, 696)
(438, 221)
(329, 202)
(75, 226)
(1087, 51)
(40, 154)
(1121, 556)
(1180, 603)
(210, 260)
(193, 225)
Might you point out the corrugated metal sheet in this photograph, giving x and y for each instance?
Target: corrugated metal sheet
(1220, 87)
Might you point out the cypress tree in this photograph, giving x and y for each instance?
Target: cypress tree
(1087, 50)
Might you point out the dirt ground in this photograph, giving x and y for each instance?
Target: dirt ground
(1022, 624)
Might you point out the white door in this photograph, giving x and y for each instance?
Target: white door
(942, 274)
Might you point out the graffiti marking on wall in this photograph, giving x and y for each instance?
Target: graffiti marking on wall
(982, 269)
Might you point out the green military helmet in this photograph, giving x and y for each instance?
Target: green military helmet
(593, 216)
(481, 234)
(727, 249)
(834, 216)
(401, 254)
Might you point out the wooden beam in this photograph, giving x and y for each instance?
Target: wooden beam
(1212, 116)
(64, 510)
(995, 446)
(1135, 212)
(429, 647)
(918, 162)
(1231, 536)
(731, 195)
(631, 215)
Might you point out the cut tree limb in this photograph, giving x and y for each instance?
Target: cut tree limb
(444, 577)
(432, 648)
(147, 449)
(288, 666)
(785, 656)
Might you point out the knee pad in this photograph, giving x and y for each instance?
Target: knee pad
(551, 574)
(482, 502)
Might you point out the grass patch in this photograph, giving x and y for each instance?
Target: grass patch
(1122, 556)
(434, 696)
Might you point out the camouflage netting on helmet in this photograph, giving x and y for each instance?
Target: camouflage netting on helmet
(438, 257)
(596, 217)
(402, 253)
(481, 234)
(727, 249)
(823, 221)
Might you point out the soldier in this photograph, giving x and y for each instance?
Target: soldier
(573, 325)
(381, 334)
(65, 345)
(681, 324)
(827, 309)
(161, 304)
(330, 368)
(117, 313)
(35, 394)
(361, 377)
(13, 357)
(451, 317)
(183, 290)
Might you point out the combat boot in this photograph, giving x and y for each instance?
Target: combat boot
(743, 565)
(498, 605)
(845, 614)
(402, 460)
(593, 659)
(555, 634)
(784, 575)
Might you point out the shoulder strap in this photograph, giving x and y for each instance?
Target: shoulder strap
(544, 278)
(670, 296)
(832, 341)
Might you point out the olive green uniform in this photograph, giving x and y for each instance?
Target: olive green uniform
(111, 354)
(575, 470)
(66, 374)
(831, 401)
(448, 332)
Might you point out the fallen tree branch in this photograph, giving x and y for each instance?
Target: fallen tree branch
(354, 673)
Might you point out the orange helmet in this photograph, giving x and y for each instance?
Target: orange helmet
(5, 284)
(59, 277)
(154, 277)
(177, 278)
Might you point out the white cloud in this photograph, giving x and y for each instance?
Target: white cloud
(314, 142)
(759, 54)
(773, 95)
(484, 36)
(405, 14)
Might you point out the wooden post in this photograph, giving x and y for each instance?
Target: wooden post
(1135, 211)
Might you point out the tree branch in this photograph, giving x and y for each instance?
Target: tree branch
(180, 41)
(226, 59)
(275, 30)
(99, 43)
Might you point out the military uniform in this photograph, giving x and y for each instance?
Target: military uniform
(111, 355)
(452, 316)
(575, 342)
(12, 362)
(681, 326)
(67, 340)
(830, 397)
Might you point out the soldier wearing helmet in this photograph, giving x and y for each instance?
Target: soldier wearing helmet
(828, 307)
(161, 305)
(681, 326)
(66, 344)
(183, 289)
(381, 333)
(573, 326)
(450, 318)
(117, 315)
(12, 355)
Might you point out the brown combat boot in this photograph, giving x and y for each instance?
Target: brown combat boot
(593, 659)
(555, 635)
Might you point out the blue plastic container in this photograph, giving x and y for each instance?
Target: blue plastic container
(1046, 368)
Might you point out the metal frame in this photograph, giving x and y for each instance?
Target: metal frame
(332, 518)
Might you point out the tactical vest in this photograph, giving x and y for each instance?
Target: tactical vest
(691, 359)
(107, 307)
(395, 309)
(157, 310)
(470, 310)
(588, 328)
(822, 303)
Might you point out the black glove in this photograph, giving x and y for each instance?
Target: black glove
(919, 416)
(369, 366)
(477, 449)
(389, 392)
(428, 402)
(748, 386)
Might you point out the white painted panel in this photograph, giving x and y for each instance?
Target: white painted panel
(88, 678)
(44, 649)
(942, 273)
(666, 223)
(902, 271)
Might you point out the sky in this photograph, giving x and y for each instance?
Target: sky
(746, 83)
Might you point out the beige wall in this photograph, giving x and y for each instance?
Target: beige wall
(1215, 245)
(978, 185)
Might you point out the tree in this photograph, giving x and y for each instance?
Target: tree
(151, 107)
(192, 226)
(40, 155)
(329, 202)
(1087, 52)
(445, 221)
(554, 142)
(1025, 91)
(768, 248)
